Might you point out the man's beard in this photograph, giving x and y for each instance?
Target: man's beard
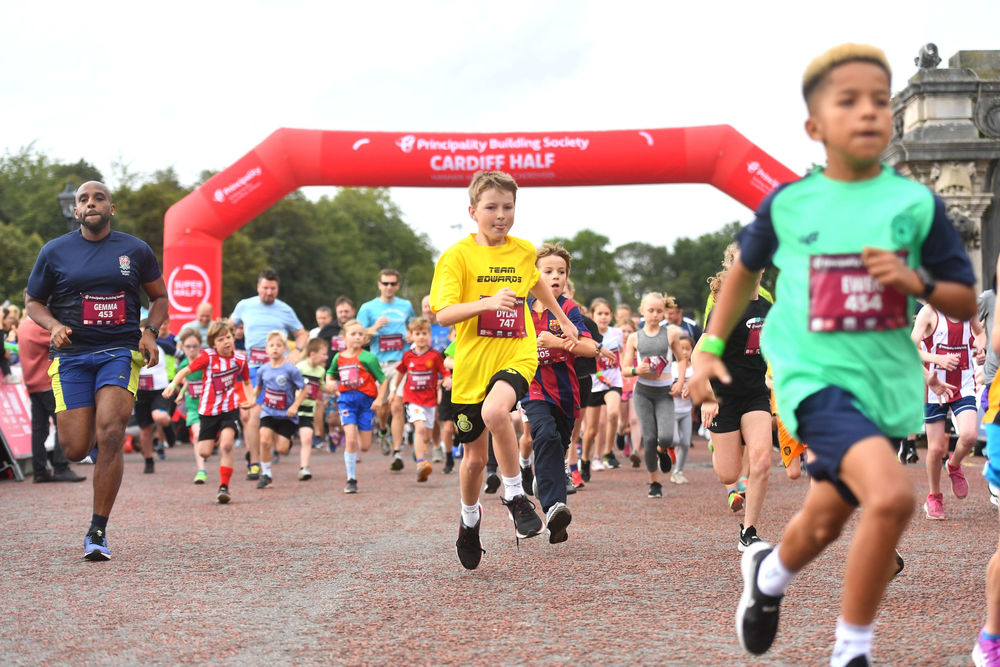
(93, 226)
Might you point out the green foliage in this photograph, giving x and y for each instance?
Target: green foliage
(20, 250)
(594, 271)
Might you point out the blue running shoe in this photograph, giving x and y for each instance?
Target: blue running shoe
(95, 545)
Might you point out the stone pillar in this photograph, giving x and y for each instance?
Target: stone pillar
(946, 134)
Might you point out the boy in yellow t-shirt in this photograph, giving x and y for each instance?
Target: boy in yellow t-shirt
(480, 286)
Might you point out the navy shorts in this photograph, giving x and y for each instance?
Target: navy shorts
(77, 378)
(935, 412)
(285, 428)
(829, 425)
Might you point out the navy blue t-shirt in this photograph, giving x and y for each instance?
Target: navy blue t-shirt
(92, 287)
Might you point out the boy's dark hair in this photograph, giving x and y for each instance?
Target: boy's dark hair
(315, 345)
(343, 299)
(817, 71)
(268, 274)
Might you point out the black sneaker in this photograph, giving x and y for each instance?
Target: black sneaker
(66, 475)
(620, 441)
(527, 480)
(95, 545)
(556, 520)
(449, 467)
(492, 482)
(901, 452)
(522, 513)
(351, 486)
(470, 549)
(610, 461)
(585, 470)
(899, 566)
(911, 456)
(265, 482)
(397, 463)
(150, 467)
(223, 495)
(757, 614)
(570, 486)
(665, 462)
(748, 537)
(859, 661)
(655, 490)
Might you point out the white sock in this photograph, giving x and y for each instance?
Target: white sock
(773, 577)
(265, 467)
(525, 463)
(852, 641)
(471, 514)
(512, 486)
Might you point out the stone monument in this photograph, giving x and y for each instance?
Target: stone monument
(946, 134)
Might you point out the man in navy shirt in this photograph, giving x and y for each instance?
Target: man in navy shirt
(84, 289)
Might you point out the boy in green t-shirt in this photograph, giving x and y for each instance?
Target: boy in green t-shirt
(854, 242)
(190, 340)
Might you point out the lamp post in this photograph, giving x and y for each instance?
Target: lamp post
(67, 202)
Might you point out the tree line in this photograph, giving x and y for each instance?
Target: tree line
(324, 248)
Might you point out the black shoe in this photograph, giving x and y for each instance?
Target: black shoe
(448, 468)
(620, 441)
(527, 480)
(634, 458)
(351, 486)
(655, 490)
(66, 475)
(748, 536)
(665, 462)
(492, 482)
(570, 486)
(911, 456)
(757, 614)
(585, 470)
(43, 476)
(899, 566)
(901, 452)
(859, 661)
(610, 461)
(397, 463)
(556, 520)
(522, 513)
(470, 549)
(265, 482)
(150, 467)
(223, 495)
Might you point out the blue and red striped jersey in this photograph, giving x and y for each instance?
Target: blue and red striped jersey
(555, 380)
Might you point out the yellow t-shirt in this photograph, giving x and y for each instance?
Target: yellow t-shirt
(493, 341)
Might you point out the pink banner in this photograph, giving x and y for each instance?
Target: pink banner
(15, 418)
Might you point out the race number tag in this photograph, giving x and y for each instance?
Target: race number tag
(501, 323)
(312, 392)
(102, 310)
(656, 364)
(961, 350)
(390, 343)
(337, 344)
(754, 324)
(419, 380)
(275, 399)
(350, 376)
(548, 356)
(603, 364)
(258, 355)
(224, 380)
(194, 388)
(146, 382)
(844, 297)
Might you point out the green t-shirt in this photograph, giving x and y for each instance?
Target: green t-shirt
(310, 374)
(190, 402)
(833, 325)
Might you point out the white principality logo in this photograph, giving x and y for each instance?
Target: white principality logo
(406, 143)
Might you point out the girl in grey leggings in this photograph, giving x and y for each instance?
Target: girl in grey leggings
(654, 347)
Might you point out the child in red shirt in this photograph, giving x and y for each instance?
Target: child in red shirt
(421, 365)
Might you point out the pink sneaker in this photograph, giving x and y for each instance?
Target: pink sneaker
(986, 652)
(934, 506)
(959, 485)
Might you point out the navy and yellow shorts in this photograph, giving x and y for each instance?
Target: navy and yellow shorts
(76, 378)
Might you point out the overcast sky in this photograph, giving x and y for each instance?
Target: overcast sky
(196, 85)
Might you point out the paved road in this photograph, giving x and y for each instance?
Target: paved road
(302, 573)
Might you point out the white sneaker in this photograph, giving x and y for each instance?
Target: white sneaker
(596, 465)
(678, 477)
(437, 454)
(304, 474)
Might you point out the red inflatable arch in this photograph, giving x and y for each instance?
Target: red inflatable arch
(196, 226)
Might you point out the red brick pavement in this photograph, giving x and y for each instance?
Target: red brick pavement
(302, 573)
